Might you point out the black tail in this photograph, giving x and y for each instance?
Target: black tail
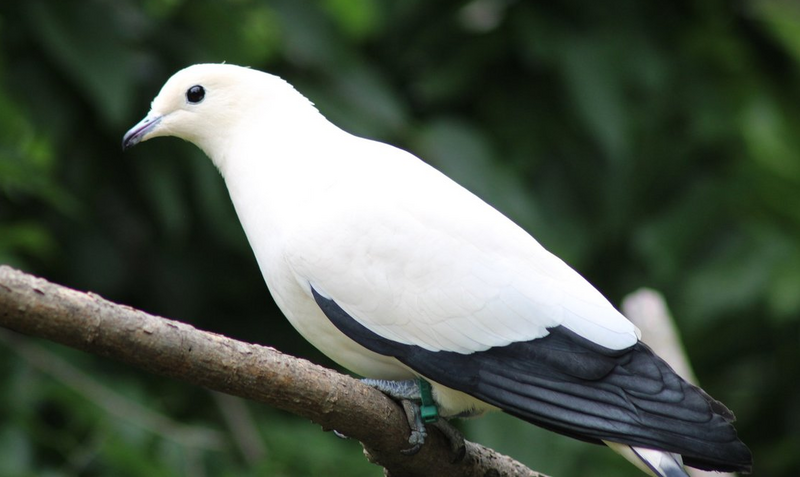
(570, 385)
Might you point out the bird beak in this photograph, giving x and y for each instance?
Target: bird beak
(139, 132)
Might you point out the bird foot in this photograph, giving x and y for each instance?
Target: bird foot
(409, 394)
(418, 431)
(399, 390)
(417, 402)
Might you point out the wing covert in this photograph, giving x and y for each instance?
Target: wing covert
(439, 268)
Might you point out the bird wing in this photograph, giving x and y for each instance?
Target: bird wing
(419, 260)
(567, 384)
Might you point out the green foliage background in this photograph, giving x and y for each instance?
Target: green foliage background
(647, 143)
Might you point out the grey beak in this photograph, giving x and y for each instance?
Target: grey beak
(135, 135)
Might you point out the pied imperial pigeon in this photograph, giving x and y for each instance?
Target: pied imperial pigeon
(401, 275)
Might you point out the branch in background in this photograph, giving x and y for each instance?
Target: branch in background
(242, 427)
(87, 322)
(112, 402)
(648, 310)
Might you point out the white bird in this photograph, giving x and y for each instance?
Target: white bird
(397, 273)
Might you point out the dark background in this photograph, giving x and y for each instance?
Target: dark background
(646, 143)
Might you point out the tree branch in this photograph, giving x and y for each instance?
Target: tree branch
(90, 323)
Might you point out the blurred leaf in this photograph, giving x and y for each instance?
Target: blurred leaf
(26, 237)
(27, 160)
(362, 102)
(733, 276)
(782, 17)
(669, 242)
(782, 295)
(161, 184)
(357, 18)
(15, 451)
(768, 137)
(162, 8)
(243, 33)
(308, 36)
(84, 39)
(132, 459)
(591, 75)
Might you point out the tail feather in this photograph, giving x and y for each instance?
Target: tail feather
(653, 462)
(662, 464)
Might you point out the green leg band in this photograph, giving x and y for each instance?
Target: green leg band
(428, 409)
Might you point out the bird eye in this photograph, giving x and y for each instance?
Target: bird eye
(195, 94)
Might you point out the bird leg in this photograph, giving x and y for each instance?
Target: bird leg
(409, 395)
(418, 404)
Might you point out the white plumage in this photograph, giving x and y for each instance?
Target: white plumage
(402, 249)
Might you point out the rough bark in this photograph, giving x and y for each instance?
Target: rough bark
(85, 321)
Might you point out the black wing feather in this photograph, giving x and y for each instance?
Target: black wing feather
(570, 385)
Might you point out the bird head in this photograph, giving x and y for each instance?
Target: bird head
(209, 104)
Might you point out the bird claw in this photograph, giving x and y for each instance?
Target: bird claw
(455, 439)
(419, 434)
(413, 450)
(418, 431)
(408, 393)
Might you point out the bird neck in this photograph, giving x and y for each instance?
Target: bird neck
(273, 171)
